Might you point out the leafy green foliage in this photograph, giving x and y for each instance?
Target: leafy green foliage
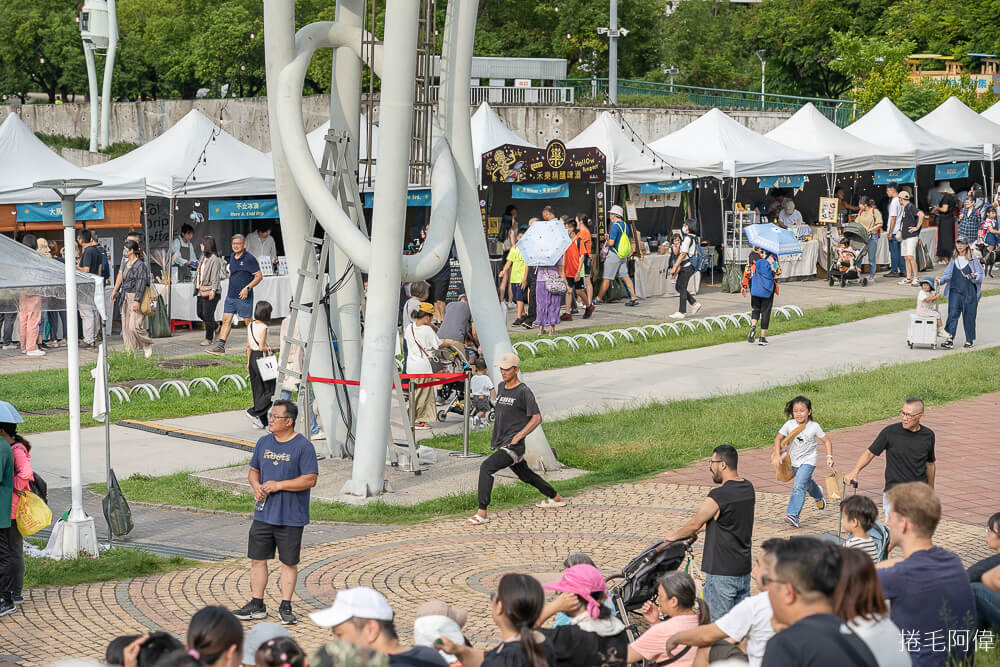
(115, 563)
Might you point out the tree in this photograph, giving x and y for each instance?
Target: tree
(702, 38)
(41, 49)
(874, 66)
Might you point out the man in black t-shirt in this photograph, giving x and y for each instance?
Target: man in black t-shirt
(91, 261)
(909, 451)
(517, 415)
(804, 572)
(727, 515)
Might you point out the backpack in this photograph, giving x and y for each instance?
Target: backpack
(880, 536)
(105, 264)
(624, 246)
(699, 260)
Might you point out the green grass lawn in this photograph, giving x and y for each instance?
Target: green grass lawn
(44, 390)
(633, 444)
(115, 563)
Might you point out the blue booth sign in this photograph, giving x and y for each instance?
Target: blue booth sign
(891, 176)
(413, 198)
(945, 172)
(241, 209)
(85, 210)
(781, 182)
(664, 187)
(540, 191)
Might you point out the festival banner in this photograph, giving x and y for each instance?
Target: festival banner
(553, 164)
(413, 198)
(240, 209)
(781, 182)
(85, 210)
(945, 172)
(664, 187)
(890, 176)
(540, 191)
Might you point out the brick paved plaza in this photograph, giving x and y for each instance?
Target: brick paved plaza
(446, 560)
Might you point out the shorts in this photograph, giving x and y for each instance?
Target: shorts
(481, 404)
(578, 284)
(265, 538)
(991, 239)
(615, 267)
(242, 307)
(439, 290)
(519, 293)
(586, 266)
(908, 247)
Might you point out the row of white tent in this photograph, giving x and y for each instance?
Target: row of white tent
(196, 158)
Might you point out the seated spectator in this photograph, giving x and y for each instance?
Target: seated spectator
(802, 578)
(342, 654)
(750, 619)
(280, 652)
(435, 619)
(985, 579)
(928, 589)
(215, 637)
(859, 603)
(676, 598)
(515, 608)
(859, 514)
(593, 637)
(563, 618)
(257, 637)
(362, 616)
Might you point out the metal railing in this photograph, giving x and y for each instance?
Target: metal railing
(511, 95)
(841, 112)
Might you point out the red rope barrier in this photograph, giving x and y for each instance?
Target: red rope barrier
(442, 378)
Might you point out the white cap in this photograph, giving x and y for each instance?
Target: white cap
(617, 210)
(360, 602)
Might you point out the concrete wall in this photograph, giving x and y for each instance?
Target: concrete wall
(246, 119)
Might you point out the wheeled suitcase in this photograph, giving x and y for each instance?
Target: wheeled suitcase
(922, 331)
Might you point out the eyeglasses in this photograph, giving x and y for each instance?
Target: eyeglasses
(271, 417)
(909, 415)
(711, 461)
(767, 580)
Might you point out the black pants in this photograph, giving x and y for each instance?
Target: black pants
(760, 309)
(499, 460)
(532, 306)
(7, 321)
(206, 313)
(683, 276)
(11, 560)
(263, 390)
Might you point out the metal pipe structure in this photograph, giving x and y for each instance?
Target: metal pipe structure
(88, 55)
(109, 69)
(613, 53)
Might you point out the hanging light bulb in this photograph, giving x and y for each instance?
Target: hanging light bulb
(197, 203)
(177, 207)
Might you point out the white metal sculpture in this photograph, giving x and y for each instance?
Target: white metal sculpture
(455, 214)
(99, 30)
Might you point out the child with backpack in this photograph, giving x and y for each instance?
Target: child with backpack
(684, 268)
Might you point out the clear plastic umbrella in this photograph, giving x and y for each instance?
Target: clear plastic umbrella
(544, 243)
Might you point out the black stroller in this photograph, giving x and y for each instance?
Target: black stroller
(637, 582)
(857, 236)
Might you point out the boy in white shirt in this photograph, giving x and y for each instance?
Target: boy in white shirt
(482, 390)
(859, 516)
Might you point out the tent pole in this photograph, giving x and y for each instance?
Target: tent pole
(168, 269)
(107, 419)
(982, 169)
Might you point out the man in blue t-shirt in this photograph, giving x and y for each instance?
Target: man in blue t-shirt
(244, 275)
(928, 590)
(282, 470)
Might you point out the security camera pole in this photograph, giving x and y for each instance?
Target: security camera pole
(99, 30)
(79, 534)
(613, 32)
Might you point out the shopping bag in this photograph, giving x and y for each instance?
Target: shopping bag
(783, 471)
(116, 510)
(32, 514)
(732, 278)
(924, 260)
(834, 484)
(268, 367)
(159, 323)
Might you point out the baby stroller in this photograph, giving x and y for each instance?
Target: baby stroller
(448, 394)
(857, 236)
(637, 582)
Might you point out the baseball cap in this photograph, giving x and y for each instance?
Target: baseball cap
(338, 653)
(510, 360)
(583, 580)
(360, 602)
(258, 636)
(439, 608)
(617, 210)
(904, 195)
(425, 307)
(962, 239)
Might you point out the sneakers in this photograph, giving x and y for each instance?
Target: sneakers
(421, 426)
(943, 334)
(566, 317)
(285, 613)
(597, 301)
(677, 316)
(252, 610)
(148, 352)
(220, 348)
(587, 312)
(948, 344)
(968, 343)
(904, 281)
(6, 607)
(821, 504)
(36, 353)
(517, 321)
(752, 334)
(696, 307)
(762, 342)
(205, 343)
(10, 346)
(17, 598)
(257, 423)
(85, 345)
(789, 519)
(892, 274)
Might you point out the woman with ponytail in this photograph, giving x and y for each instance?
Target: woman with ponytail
(677, 599)
(214, 639)
(515, 607)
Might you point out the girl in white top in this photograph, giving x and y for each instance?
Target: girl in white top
(421, 339)
(800, 436)
(257, 347)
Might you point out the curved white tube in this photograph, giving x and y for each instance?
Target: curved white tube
(444, 216)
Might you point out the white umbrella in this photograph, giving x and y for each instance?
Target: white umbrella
(544, 243)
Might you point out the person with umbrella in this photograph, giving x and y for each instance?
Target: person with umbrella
(543, 246)
(760, 276)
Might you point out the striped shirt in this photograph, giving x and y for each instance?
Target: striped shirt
(866, 544)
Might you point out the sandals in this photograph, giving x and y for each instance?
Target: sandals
(551, 503)
(476, 520)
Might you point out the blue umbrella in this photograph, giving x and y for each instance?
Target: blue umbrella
(9, 414)
(773, 239)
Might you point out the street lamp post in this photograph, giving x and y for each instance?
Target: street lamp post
(763, 64)
(78, 534)
(672, 71)
(613, 32)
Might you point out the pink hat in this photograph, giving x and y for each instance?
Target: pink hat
(583, 580)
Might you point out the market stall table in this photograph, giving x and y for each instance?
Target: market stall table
(651, 278)
(928, 235)
(276, 290)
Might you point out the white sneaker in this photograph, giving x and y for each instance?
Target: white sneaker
(10, 346)
(148, 352)
(677, 316)
(695, 308)
(319, 436)
(36, 353)
(904, 281)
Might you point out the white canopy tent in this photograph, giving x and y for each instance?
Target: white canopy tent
(25, 160)
(962, 125)
(230, 167)
(993, 113)
(811, 131)
(886, 124)
(626, 162)
(489, 132)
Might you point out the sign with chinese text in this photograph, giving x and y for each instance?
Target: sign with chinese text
(944, 172)
(239, 209)
(888, 176)
(781, 182)
(85, 210)
(540, 191)
(664, 187)
(553, 164)
(413, 198)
